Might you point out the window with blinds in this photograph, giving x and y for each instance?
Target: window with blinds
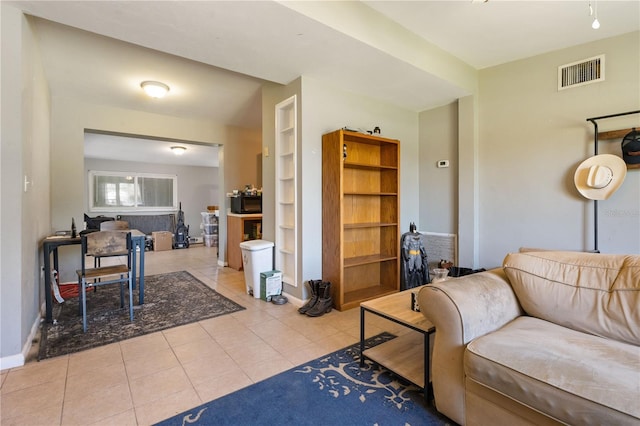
(122, 191)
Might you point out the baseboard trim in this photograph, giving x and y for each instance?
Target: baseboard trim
(18, 360)
(294, 300)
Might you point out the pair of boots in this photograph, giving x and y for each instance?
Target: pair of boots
(321, 301)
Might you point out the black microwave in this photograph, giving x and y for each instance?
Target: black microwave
(245, 204)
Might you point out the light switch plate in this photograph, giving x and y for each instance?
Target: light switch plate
(443, 163)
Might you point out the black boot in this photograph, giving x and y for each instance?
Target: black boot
(313, 284)
(325, 301)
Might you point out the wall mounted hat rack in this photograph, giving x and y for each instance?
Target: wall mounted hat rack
(613, 134)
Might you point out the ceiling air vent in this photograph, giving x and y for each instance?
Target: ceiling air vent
(580, 73)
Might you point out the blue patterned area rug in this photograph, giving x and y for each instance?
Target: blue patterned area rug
(331, 390)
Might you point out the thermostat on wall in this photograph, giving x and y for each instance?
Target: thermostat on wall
(443, 163)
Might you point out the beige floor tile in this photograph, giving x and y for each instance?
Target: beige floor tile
(222, 385)
(167, 406)
(246, 355)
(45, 415)
(221, 325)
(281, 311)
(143, 346)
(261, 369)
(232, 338)
(98, 405)
(313, 329)
(196, 349)
(187, 333)
(288, 341)
(94, 359)
(152, 377)
(95, 381)
(336, 342)
(305, 353)
(35, 373)
(159, 385)
(252, 316)
(371, 330)
(209, 368)
(162, 359)
(126, 418)
(29, 400)
(269, 328)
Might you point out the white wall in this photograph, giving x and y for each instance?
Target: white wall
(532, 138)
(515, 176)
(325, 108)
(43, 139)
(439, 186)
(24, 215)
(71, 118)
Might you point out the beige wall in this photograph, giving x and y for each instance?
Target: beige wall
(322, 109)
(71, 118)
(24, 214)
(518, 145)
(532, 138)
(519, 141)
(439, 186)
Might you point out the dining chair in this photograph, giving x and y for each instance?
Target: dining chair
(101, 244)
(111, 225)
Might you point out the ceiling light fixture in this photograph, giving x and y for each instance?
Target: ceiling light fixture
(595, 24)
(178, 150)
(155, 89)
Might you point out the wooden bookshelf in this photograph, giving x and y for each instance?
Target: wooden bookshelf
(360, 206)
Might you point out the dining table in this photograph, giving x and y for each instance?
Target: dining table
(50, 247)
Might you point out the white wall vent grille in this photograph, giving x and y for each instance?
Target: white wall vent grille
(579, 73)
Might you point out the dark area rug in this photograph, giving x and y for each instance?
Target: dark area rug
(172, 299)
(331, 390)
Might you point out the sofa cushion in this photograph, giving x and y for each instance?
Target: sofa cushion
(574, 377)
(594, 293)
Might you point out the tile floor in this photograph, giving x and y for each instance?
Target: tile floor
(149, 378)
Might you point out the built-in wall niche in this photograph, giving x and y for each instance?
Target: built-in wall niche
(286, 191)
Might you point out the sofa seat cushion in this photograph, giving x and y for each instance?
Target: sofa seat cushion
(571, 376)
(594, 293)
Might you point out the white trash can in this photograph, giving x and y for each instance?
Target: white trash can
(257, 257)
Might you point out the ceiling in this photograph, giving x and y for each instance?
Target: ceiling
(216, 55)
(125, 148)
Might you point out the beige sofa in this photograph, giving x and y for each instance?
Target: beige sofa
(549, 338)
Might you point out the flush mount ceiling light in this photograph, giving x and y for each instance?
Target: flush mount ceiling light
(155, 89)
(178, 150)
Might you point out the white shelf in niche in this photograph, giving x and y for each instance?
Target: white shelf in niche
(286, 191)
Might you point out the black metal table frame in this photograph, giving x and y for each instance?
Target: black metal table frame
(427, 388)
(50, 245)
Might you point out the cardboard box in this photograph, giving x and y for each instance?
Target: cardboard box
(162, 240)
(270, 284)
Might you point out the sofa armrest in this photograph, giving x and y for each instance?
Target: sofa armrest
(461, 310)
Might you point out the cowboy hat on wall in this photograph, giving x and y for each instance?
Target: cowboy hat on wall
(598, 177)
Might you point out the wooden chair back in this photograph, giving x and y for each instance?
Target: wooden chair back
(106, 243)
(101, 244)
(114, 225)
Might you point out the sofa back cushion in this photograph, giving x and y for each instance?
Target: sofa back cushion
(589, 292)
